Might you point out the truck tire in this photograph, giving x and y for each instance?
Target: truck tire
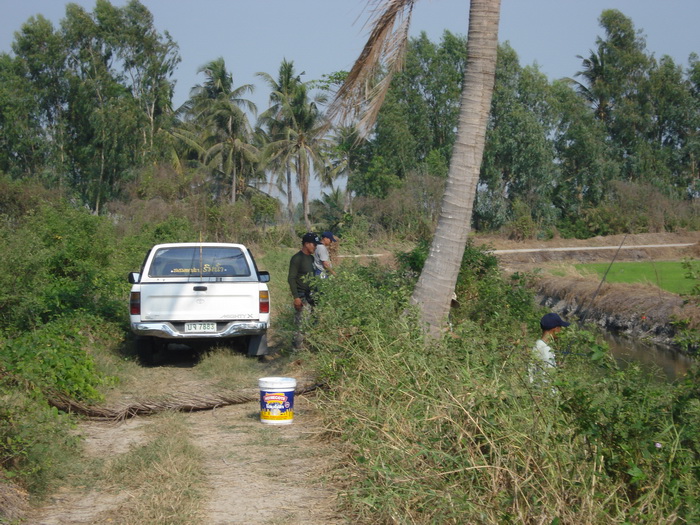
(148, 350)
(257, 345)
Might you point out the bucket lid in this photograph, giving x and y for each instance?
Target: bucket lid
(277, 382)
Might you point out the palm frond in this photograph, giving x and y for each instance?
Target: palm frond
(365, 87)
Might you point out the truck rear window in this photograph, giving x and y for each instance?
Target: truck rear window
(199, 261)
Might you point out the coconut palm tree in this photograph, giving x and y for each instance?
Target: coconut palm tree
(219, 112)
(594, 88)
(296, 130)
(437, 280)
(228, 140)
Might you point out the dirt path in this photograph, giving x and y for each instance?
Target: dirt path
(254, 473)
(594, 248)
(632, 247)
(265, 473)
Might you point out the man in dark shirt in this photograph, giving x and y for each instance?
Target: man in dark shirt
(301, 269)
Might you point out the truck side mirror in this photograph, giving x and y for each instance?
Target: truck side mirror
(264, 277)
(134, 277)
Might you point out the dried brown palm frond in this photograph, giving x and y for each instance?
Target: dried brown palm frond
(179, 402)
(365, 87)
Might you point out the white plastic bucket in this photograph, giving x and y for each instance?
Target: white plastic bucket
(277, 400)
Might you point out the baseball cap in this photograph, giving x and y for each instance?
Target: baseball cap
(310, 237)
(552, 320)
(329, 235)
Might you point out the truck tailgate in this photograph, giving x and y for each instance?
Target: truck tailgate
(204, 301)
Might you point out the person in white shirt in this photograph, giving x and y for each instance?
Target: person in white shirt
(322, 259)
(551, 324)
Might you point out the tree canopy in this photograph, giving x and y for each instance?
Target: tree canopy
(86, 109)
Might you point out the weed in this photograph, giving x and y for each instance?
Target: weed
(36, 443)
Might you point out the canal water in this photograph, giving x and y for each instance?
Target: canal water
(655, 358)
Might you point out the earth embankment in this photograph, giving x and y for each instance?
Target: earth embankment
(642, 311)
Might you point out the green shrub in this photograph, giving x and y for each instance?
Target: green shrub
(631, 208)
(230, 223)
(173, 229)
(53, 358)
(36, 445)
(59, 260)
(482, 293)
(264, 209)
(521, 226)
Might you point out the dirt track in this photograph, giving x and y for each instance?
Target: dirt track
(633, 247)
(637, 310)
(255, 473)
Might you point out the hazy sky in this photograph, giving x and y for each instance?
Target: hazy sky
(323, 36)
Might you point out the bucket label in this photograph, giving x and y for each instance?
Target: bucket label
(276, 406)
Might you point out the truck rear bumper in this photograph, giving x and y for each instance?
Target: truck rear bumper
(166, 330)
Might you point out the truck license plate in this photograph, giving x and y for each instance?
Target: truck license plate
(200, 327)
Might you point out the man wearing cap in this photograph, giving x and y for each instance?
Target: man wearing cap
(301, 269)
(322, 259)
(301, 265)
(551, 324)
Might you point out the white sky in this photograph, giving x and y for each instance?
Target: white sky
(323, 36)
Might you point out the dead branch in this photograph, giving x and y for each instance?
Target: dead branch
(180, 402)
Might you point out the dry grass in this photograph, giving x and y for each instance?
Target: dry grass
(163, 479)
(13, 501)
(229, 370)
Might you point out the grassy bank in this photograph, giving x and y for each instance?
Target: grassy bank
(453, 431)
(667, 275)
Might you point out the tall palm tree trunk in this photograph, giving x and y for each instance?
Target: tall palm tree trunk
(303, 183)
(439, 276)
(234, 184)
(290, 200)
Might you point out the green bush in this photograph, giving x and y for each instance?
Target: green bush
(631, 208)
(36, 442)
(521, 226)
(173, 229)
(53, 358)
(58, 260)
(482, 293)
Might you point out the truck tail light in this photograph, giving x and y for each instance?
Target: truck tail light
(135, 303)
(264, 302)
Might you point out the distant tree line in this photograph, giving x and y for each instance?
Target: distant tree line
(86, 108)
(581, 154)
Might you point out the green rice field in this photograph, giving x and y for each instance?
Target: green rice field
(668, 275)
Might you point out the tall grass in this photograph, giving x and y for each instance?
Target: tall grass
(452, 431)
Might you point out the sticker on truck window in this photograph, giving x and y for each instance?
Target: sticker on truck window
(208, 268)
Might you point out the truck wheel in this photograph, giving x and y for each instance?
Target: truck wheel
(257, 345)
(147, 348)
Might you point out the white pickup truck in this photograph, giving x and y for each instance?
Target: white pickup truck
(187, 292)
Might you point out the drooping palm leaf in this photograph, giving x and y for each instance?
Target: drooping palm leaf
(366, 85)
